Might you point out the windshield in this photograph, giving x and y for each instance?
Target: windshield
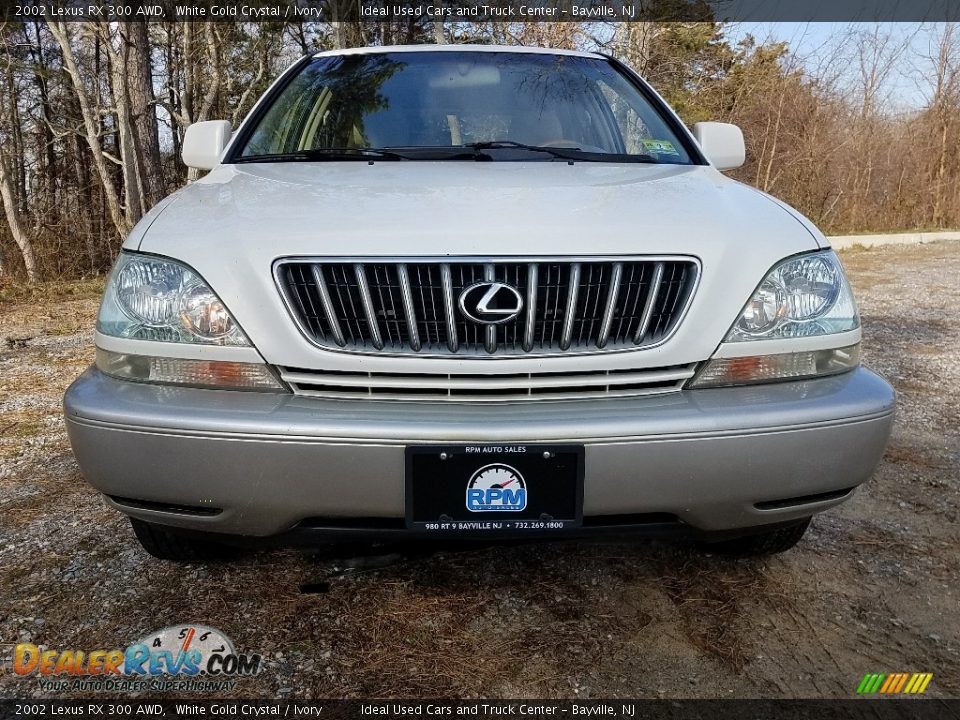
(434, 105)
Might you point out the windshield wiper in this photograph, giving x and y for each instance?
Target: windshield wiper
(564, 153)
(470, 151)
(321, 154)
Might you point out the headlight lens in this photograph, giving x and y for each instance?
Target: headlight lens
(151, 298)
(800, 297)
(147, 290)
(203, 314)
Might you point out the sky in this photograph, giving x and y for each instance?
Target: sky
(816, 43)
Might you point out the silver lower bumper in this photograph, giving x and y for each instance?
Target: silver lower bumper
(270, 462)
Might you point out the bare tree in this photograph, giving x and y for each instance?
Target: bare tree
(62, 33)
(11, 203)
(944, 108)
(142, 108)
(14, 223)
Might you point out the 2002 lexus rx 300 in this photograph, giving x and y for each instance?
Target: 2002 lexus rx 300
(473, 291)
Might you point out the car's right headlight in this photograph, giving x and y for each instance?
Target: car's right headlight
(804, 297)
(153, 298)
(152, 303)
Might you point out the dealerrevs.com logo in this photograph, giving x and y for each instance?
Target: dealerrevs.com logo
(180, 657)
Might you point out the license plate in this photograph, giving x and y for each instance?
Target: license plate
(494, 488)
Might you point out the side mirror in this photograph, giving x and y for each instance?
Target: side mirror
(722, 143)
(204, 143)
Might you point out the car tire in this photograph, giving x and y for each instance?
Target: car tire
(769, 542)
(167, 544)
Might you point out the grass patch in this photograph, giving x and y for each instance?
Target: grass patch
(893, 232)
(22, 424)
(13, 293)
(900, 454)
(715, 599)
(19, 426)
(854, 249)
(412, 639)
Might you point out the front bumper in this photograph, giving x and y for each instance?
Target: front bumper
(260, 464)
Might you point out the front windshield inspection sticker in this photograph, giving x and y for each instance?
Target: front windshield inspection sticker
(494, 489)
(660, 147)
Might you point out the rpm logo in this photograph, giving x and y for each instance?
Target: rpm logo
(496, 488)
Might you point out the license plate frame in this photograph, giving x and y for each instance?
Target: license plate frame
(453, 489)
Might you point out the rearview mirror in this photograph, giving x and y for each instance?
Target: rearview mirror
(204, 143)
(722, 143)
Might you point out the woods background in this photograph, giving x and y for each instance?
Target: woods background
(92, 116)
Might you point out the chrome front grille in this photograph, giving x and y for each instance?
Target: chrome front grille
(475, 387)
(412, 306)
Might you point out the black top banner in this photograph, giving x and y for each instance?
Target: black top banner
(453, 11)
(440, 709)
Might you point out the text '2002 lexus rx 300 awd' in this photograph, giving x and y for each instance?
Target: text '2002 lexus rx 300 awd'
(447, 291)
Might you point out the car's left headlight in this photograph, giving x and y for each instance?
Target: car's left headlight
(802, 300)
(800, 297)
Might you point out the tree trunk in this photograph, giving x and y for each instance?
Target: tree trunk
(143, 115)
(348, 30)
(12, 213)
(129, 165)
(91, 126)
(212, 72)
(635, 41)
(189, 65)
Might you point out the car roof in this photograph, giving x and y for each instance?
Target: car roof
(458, 48)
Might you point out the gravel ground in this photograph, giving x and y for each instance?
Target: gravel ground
(872, 588)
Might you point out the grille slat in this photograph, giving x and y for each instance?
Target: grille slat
(368, 310)
(490, 331)
(409, 310)
(531, 322)
(453, 343)
(612, 291)
(570, 314)
(409, 306)
(649, 303)
(327, 305)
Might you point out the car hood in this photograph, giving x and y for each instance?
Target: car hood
(233, 224)
(428, 208)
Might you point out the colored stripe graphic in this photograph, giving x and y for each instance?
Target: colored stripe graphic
(870, 683)
(894, 683)
(901, 681)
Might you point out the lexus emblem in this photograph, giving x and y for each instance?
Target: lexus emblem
(490, 303)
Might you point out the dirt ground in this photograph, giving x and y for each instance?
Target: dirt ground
(872, 588)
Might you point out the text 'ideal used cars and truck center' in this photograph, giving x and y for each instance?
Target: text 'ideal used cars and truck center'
(473, 291)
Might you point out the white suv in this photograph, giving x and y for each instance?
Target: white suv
(473, 291)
